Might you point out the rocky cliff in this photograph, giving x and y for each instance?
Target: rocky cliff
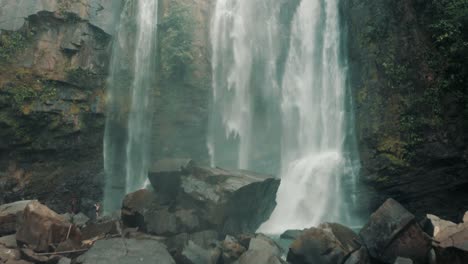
(409, 84)
(53, 66)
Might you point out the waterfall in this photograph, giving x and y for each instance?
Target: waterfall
(245, 52)
(317, 168)
(132, 75)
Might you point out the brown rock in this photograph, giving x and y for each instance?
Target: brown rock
(9, 214)
(392, 232)
(326, 244)
(43, 229)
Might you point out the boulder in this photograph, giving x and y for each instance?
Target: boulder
(291, 234)
(393, 232)
(188, 198)
(11, 256)
(124, 251)
(195, 248)
(232, 250)
(42, 229)
(449, 234)
(100, 228)
(326, 244)
(9, 216)
(262, 250)
(451, 240)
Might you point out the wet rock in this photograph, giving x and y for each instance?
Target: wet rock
(42, 228)
(328, 243)
(392, 232)
(124, 251)
(8, 241)
(9, 216)
(197, 198)
(291, 234)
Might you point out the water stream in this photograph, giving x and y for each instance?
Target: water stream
(312, 139)
(133, 71)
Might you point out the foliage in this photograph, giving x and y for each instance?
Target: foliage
(450, 34)
(10, 44)
(176, 41)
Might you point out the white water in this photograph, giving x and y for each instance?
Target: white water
(133, 70)
(314, 160)
(245, 49)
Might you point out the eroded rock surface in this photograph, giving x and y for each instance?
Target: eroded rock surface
(201, 198)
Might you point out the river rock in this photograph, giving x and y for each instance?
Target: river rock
(291, 234)
(327, 244)
(360, 256)
(9, 216)
(188, 198)
(124, 251)
(42, 228)
(392, 232)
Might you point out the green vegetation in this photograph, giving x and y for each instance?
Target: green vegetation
(176, 42)
(450, 35)
(10, 44)
(25, 93)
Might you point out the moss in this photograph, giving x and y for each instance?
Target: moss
(176, 29)
(10, 44)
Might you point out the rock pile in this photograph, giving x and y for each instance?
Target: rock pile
(198, 215)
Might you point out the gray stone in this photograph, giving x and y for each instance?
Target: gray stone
(8, 241)
(124, 251)
(359, 257)
(80, 219)
(65, 261)
(195, 254)
(401, 260)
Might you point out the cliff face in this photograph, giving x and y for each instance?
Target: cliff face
(183, 93)
(52, 78)
(410, 103)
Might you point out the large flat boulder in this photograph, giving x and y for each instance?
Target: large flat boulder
(41, 228)
(392, 232)
(262, 250)
(9, 216)
(190, 198)
(125, 251)
(328, 243)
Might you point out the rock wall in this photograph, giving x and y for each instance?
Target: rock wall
(411, 117)
(182, 104)
(53, 70)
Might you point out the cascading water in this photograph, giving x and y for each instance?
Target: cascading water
(133, 69)
(315, 159)
(245, 51)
